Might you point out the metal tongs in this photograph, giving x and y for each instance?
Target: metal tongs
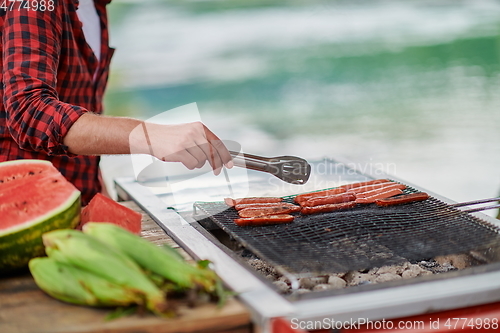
(476, 202)
(291, 169)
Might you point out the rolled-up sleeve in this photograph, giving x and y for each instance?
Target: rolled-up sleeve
(37, 120)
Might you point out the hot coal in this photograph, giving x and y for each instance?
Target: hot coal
(406, 270)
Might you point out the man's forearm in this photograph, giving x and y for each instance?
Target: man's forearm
(191, 143)
(93, 134)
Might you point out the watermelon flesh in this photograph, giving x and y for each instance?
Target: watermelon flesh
(104, 209)
(34, 198)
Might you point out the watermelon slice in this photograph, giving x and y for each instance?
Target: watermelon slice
(34, 198)
(104, 209)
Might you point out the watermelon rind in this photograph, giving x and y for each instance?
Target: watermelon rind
(20, 243)
(17, 247)
(25, 161)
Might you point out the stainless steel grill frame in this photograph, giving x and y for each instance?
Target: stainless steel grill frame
(473, 286)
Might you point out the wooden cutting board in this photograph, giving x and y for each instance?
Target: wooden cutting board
(24, 308)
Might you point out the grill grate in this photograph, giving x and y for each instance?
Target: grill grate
(361, 238)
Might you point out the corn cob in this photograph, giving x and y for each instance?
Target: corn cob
(57, 281)
(78, 249)
(74, 285)
(153, 258)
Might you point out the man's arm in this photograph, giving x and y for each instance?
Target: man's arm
(39, 121)
(191, 144)
(31, 44)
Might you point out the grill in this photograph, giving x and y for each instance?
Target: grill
(361, 238)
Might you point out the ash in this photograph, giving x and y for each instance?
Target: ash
(376, 275)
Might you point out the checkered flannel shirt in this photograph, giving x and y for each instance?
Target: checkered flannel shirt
(47, 71)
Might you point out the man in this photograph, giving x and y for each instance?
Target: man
(54, 68)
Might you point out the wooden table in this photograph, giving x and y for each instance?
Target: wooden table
(24, 308)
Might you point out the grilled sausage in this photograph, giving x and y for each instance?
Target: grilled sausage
(380, 190)
(328, 208)
(301, 198)
(402, 199)
(306, 196)
(263, 211)
(264, 220)
(370, 182)
(369, 188)
(263, 205)
(332, 199)
(379, 194)
(232, 202)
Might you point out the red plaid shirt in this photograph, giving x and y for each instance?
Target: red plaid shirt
(47, 73)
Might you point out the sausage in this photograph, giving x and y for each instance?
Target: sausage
(263, 211)
(369, 188)
(380, 189)
(264, 220)
(332, 199)
(306, 196)
(232, 202)
(370, 182)
(378, 195)
(402, 199)
(327, 208)
(263, 205)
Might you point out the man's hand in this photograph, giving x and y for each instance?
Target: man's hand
(192, 144)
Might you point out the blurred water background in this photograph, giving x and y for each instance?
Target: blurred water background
(411, 86)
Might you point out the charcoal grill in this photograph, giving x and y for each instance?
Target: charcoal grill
(368, 235)
(361, 238)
